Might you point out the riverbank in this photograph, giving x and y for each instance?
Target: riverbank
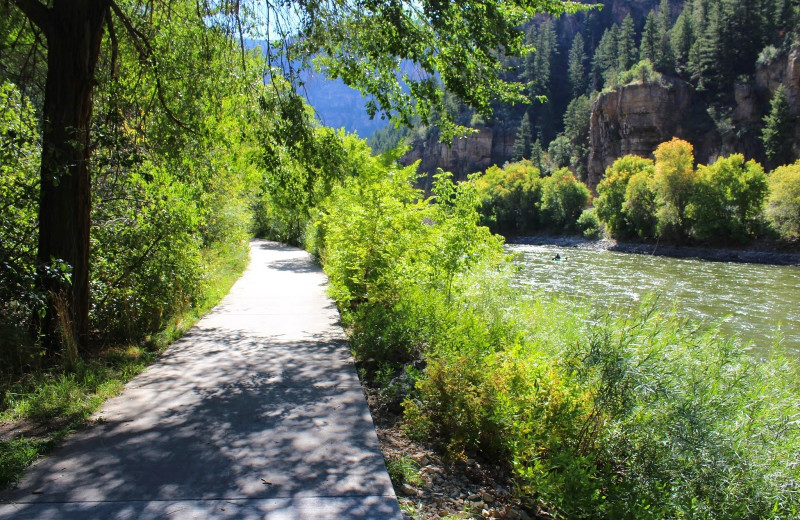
(767, 253)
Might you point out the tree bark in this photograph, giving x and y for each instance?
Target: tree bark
(74, 32)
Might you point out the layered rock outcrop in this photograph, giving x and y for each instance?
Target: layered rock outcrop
(783, 70)
(472, 153)
(634, 119)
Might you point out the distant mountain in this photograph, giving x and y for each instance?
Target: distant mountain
(339, 106)
(336, 105)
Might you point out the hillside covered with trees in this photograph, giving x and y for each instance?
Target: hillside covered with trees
(634, 73)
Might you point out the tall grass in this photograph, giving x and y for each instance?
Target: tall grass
(599, 415)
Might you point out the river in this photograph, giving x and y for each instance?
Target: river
(759, 303)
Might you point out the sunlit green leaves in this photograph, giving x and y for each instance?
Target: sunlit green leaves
(19, 193)
(455, 43)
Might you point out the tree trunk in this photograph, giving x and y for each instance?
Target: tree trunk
(74, 31)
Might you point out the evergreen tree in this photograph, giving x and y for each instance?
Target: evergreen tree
(650, 47)
(626, 45)
(576, 128)
(783, 16)
(740, 36)
(523, 142)
(576, 71)
(770, 14)
(778, 132)
(605, 60)
(528, 70)
(682, 38)
(666, 54)
(704, 56)
(539, 74)
(537, 155)
(664, 16)
(538, 64)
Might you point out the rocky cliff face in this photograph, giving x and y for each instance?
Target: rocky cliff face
(634, 119)
(464, 155)
(783, 70)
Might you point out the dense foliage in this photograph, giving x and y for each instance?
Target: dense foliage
(714, 45)
(516, 199)
(631, 415)
(635, 415)
(783, 203)
(189, 132)
(670, 198)
(185, 58)
(171, 201)
(19, 156)
(126, 209)
(730, 201)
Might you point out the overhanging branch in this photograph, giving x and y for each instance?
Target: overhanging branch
(36, 12)
(145, 50)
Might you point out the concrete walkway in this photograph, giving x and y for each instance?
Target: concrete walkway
(256, 413)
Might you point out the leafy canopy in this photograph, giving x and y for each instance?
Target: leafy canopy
(364, 42)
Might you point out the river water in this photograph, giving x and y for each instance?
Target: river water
(759, 303)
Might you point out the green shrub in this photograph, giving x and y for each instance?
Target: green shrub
(172, 203)
(612, 190)
(563, 200)
(19, 189)
(639, 207)
(783, 203)
(510, 197)
(642, 72)
(146, 265)
(589, 224)
(671, 199)
(699, 422)
(728, 199)
(674, 179)
(767, 55)
(634, 415)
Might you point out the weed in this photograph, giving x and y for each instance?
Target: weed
(403, 470)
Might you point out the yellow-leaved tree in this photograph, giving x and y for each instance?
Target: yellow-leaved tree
(673, 180)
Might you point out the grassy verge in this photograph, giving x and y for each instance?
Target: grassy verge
(40, 408)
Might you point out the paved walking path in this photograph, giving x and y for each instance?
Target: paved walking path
(256, 413)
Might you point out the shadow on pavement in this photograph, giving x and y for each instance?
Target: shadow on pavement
(228, 424)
